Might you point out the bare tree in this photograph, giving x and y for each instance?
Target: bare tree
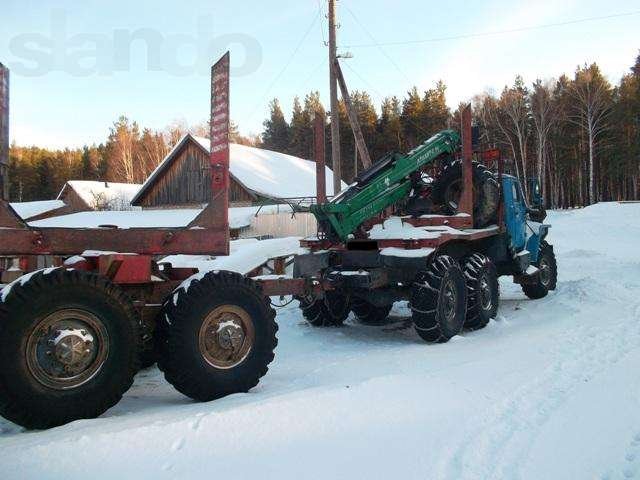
(514, 120)
(592, 95)
(544, 115)
(153, 149)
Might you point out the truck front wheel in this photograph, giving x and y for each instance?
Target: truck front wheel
(547, 275)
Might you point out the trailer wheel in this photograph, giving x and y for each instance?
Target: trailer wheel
(483, 291)
(330, 311)
(439, 300)
(69, 348)
(447, 189)
(548, 276)
(369, 314)
(217, 336)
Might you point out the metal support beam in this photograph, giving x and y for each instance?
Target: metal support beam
(216, 215)
(319, 157)
(333, 92)
(144, 241)
(353, 117)
(466, 199)
(4, 132)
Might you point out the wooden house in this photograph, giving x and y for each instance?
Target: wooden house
(257, 177)
(41, 209)
(87, 195)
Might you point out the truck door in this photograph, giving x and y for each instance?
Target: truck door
(515, 212)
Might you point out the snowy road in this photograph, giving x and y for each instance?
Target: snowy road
(550, 390)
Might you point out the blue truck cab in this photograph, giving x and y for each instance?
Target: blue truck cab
(526, 234)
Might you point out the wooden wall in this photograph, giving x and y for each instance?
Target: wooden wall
(74, 202)
(187, 182)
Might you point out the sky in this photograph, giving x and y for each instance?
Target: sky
(77, 66)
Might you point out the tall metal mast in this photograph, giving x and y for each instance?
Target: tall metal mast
(333, 90)
(4, 132)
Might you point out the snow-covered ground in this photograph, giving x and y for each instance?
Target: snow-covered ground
(549, 390)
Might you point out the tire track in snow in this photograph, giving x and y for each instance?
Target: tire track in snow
(499, 446)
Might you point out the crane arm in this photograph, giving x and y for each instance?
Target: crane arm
(380, 186)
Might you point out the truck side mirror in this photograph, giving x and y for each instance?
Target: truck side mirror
(535, 193)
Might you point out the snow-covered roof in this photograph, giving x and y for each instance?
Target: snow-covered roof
(27, 210)
(265, 172)
(104, 195)
(239, 217)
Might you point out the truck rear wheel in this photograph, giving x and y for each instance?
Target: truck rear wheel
(447, 189)
(548, 275)
(69, 347)
(369, 314)
(216, 337)
(329, 311)
(439, 300)
(483, 291)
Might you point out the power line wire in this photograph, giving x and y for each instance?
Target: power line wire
(284, 69)
(304, 84)
(322, 30)
(377, 44)
(494, 32)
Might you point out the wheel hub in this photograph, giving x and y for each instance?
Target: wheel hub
(226, 336)
(73, 348)
(485, 293)
(67, 348)
(450, 300)
(230, 337)
(545, 272)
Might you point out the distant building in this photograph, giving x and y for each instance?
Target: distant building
(85, 195)
(257, 177)
(38, 210)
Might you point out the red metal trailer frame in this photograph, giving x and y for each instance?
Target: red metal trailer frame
(209, 232)
(206, 234)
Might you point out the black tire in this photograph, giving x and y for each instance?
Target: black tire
(369, 314)
(330, 311)
(439, 300)
(35, 390)
(547, 278)
(184, 343)
(148, 354)
(483, 291)
(446, 190)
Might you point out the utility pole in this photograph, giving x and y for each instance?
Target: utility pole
(355, 155)
(333, 90)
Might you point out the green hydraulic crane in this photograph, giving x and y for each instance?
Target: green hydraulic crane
(380, 186)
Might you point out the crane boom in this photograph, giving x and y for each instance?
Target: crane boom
(380, 186)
